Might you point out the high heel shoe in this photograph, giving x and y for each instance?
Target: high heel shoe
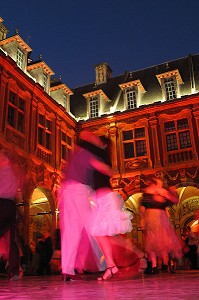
(143, 264)
(109, 272)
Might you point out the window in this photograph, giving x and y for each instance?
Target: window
(170, 88)
(20, 58)
(132, 91)
(170, 84)
(44, 81)
(65, 102)
(66, 143)
(134, 142)
(94, 107)
(131, 99)
(16, 112)
(177, 134)
(44, 132)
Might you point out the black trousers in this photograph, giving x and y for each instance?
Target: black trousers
(8, 224)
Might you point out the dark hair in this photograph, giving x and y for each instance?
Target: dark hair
(105, 140)
(9, 154)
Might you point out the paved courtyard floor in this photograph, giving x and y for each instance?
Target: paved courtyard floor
(126, 285)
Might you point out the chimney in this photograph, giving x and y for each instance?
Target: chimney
(102, 73)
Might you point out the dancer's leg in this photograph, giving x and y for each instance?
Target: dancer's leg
(106, 248)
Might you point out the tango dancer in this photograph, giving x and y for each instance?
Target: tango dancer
(75, 211)
(8, 191)
(159, 235)
(110, 219)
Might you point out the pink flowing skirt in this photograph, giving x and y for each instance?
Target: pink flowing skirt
(160, 236)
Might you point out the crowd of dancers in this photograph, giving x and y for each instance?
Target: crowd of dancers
(94, 223)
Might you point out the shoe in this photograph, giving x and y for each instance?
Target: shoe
(155, 270)
(148, 270)
(14, 277)
(172, 269)
(143, 264)
(164, 268)
(109, 272)
(69, 277)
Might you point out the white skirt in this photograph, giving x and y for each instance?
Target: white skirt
(109, 217)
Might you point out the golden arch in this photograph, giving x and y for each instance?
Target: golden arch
(41, 213)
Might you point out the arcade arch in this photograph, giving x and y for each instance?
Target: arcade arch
(183, 214)
(41, 213)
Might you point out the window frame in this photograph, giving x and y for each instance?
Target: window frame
(134, 141)
(14, 103)
(66, 144)
(94, 111)
(177, 131)
(131, 101)
(45, 138)
(44, 80)
(20, 58)
(170, 88)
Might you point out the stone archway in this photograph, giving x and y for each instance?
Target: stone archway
(132, 204)
(41, 211)
(181, 215)
(188, 205)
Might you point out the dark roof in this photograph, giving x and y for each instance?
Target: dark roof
(188, 68)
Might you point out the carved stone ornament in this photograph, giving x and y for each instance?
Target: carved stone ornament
(137, 163)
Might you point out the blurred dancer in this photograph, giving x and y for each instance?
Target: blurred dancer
(159, 235)
(109, 217)
(8, 191)
(75, 209)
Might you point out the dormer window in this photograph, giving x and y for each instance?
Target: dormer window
(170, 83)
(45, 81)
(20, 58)
(132, 93)
(94, 107)
(96, 102)
(65, 101)
(131, 99)
(170, 88)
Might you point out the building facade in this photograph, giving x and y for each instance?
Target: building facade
(150, 115)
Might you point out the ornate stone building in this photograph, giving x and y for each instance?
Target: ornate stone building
(151, 116)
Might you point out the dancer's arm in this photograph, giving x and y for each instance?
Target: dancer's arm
(101, 167)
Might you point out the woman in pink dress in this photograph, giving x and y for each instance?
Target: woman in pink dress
(159, 235)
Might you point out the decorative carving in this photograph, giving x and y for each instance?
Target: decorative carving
(15, 138)
(137, 163)
(184, 176)
(188, 206)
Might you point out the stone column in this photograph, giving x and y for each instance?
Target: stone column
(113, 133)
(155, 141)
(27, 192)
(4, 80)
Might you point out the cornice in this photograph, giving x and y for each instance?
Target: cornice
(95, 93)
(41, 65)
(18, 39)
(129, 84)
(175, 73)
(61, 87)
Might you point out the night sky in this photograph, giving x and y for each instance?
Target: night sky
(74, 35)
